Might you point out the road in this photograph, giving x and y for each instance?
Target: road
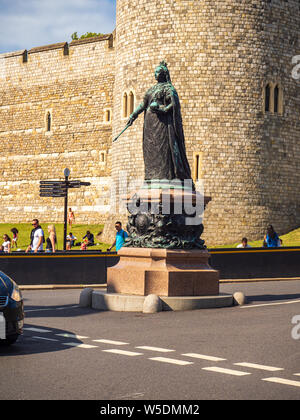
(69, 353)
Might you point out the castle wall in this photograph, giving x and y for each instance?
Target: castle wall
(280, 175)
(74, 83)
(220, 53)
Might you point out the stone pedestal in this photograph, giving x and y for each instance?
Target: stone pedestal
(164, 272)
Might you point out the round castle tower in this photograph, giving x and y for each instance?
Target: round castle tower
(230, 62)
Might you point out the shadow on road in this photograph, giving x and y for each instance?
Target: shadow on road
(38, 339)
(55, 311)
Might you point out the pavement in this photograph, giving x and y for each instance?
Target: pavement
(104, 286)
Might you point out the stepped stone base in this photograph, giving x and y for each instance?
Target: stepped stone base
(144, 271)
(131, 303)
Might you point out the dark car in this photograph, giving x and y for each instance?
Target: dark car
(11, 310)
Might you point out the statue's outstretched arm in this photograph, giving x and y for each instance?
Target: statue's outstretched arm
(141, 108)
(133, 117)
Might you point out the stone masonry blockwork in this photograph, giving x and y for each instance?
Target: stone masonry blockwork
(220, 53)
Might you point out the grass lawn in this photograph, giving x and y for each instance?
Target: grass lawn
(290, 239)
(78, 230)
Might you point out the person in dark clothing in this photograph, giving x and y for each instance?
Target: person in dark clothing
(51, 240)
(90, 237)
(271, 239)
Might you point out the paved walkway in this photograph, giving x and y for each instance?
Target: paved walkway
(103, 286)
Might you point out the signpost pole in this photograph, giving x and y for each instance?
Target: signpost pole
(60, 189)
(66, 173)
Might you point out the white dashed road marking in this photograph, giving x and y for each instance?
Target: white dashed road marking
(282, 381)
(123, 352)
(83, 346)
(35, 310)
(154, 349)
(226, 371)
(66, 307)
(49, 309)
(172, 361)
(204, 357)
(256, 366)
(79, 337)
(270, 304)
(165, 359)
(115, 343)
(36, 330)
(45, 338)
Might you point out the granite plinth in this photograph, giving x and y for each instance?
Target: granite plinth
(164, 272)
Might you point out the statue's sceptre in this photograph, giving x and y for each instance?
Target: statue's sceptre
(153, 106)
(127, 125)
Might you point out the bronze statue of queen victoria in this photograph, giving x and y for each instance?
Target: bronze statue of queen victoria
(150, 225)
(163, 136)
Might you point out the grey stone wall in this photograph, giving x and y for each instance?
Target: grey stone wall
(220, 54)
(75, 88)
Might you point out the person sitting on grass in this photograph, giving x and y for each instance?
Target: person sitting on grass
(5, 247)
(14, 238)
(84, 244)
(244, 244)
(90, 238)
(70, 241)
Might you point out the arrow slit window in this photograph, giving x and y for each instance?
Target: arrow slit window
(278, 99)
(267, 98)
(107, 115)
(197, 166)
(273, 98)
(125, 105)
(102, 157)
(128, 104)
(131, 103)
(48, 121)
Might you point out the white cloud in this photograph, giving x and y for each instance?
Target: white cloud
(31, 23)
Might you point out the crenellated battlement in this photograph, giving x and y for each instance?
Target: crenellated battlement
(109, 38)
(61, 60)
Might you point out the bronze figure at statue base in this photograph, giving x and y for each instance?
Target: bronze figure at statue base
(165, 214)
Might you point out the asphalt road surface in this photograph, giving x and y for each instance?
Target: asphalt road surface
(71, 353)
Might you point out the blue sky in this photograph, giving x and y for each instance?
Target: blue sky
(31, 23)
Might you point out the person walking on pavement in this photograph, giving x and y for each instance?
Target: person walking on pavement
(121, 235)
(52, 239)
(71, 217)
(37, 237)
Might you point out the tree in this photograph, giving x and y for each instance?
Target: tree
(74, 36)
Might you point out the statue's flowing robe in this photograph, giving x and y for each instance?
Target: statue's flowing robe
(163, 136)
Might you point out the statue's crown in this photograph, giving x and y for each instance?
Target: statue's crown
(163, 64)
